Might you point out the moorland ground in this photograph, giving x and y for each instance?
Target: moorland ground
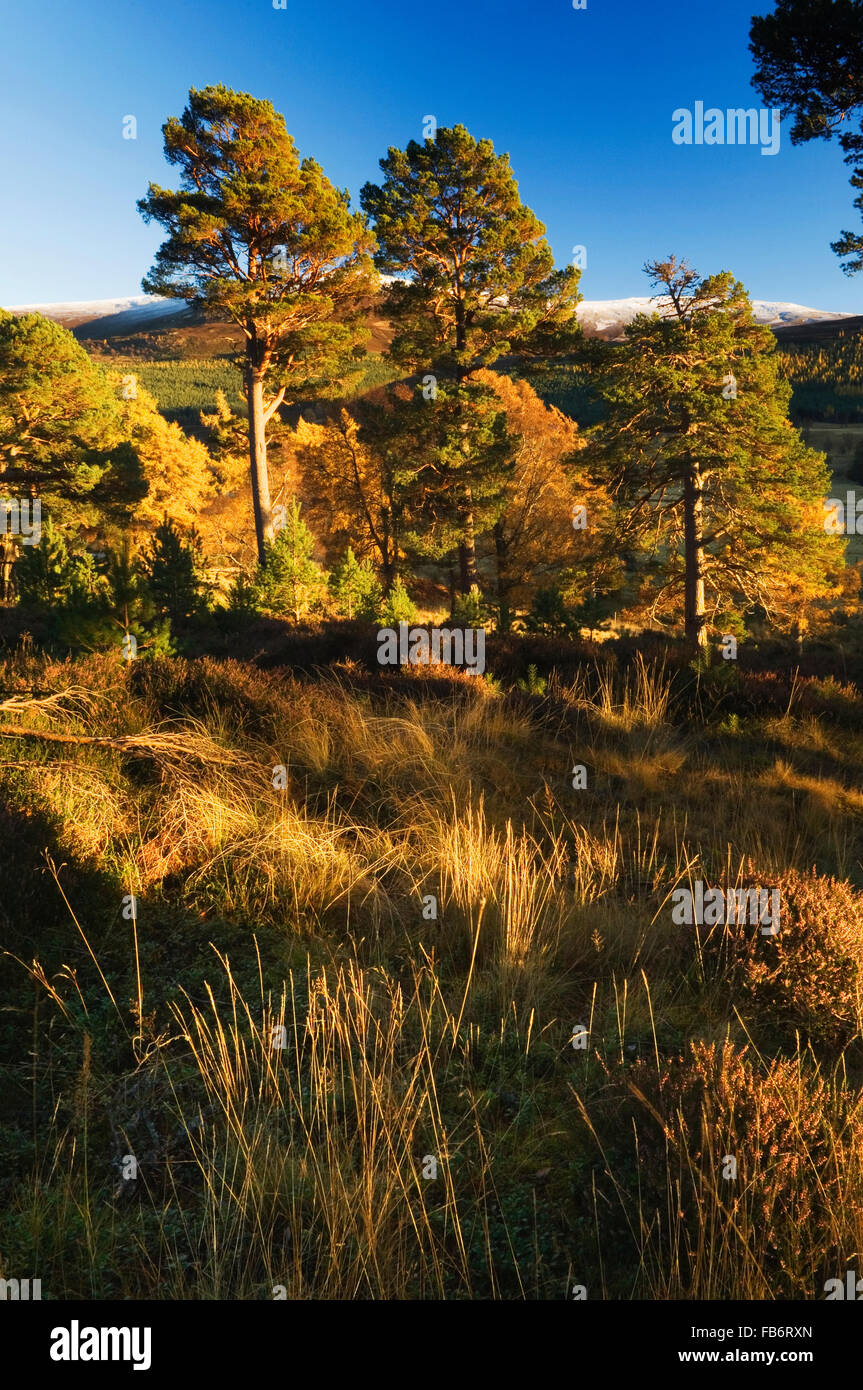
(335, 1025)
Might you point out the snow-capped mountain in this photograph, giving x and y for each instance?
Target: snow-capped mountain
(127, 315)
(603, 318)
(607, 318)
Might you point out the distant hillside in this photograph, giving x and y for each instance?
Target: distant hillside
(151, 327)
(820, 330)
(824, 363)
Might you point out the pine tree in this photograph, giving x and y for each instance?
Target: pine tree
(355, 587)
(810, 64)
(549, 613)
(44, 573)
(715, 485)
(480, 282)
(265, 240)
(482, 279)
(456, 456)
(290, 579)
(172, 570)
(470, 609)
(398, 606)
(62, 432)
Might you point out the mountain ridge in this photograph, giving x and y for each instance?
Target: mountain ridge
(600, 318)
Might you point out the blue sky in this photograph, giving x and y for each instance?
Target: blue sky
(582, 101)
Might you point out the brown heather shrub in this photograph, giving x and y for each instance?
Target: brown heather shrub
(776, 692)
(769, 1231)
(773, 1122)
(808, 978)
(238, 691)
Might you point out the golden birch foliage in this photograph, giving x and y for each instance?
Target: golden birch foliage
(177, 468)
(535, 541)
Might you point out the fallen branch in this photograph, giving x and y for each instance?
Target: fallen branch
(15, 731)
(186, 746)
(51, 703)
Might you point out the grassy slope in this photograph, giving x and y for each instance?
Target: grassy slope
(408, 1039)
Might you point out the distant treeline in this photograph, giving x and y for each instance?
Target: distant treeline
(827, 382)
(827, 379)
(185, 388)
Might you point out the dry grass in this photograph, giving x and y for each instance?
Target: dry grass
(409, 1033)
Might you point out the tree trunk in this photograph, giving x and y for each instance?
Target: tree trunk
(258, 459)
(467, 551)
(693, 533)
(467, 546)
(504, 617)
(460, 329)
(799, 632)
(388, 552)
(7, 560)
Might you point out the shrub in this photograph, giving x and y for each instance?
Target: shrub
(290, 580)
(704, 1231)
(355, 588)
(172, 570)
(398, 606)
(810, 975)
(807, 978)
